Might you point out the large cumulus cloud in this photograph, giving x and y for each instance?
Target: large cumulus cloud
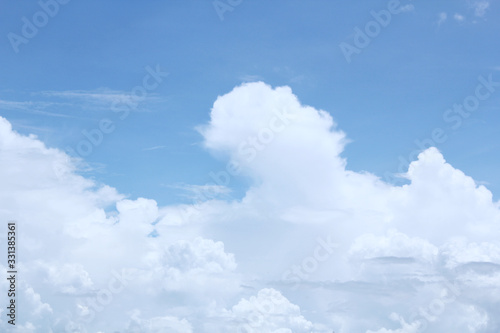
(311, 247)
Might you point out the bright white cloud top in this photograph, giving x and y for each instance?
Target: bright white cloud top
(311, 247)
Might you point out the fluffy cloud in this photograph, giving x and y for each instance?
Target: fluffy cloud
(200, 264)
(405, 327)
(394, 244)
(268, 312)
(459, 252)
(311, 246)
(85, 249)
(158, 324)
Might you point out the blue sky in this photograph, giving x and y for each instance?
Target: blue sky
(394, 92)
(220, 165)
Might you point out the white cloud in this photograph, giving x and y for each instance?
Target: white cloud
(268, 312)
(442, 18)
(97, 260)
(250, 78)
(394, 244)
(101, 96)
(26, 328)
(56, 103)
(67, 278)
(478, 320)
(458, 17)
(199, 193)
(81, 234)
(459, 252)
(154, 148)
(158, 324)
(39, 308)
(33, 107)
(26, 105)
(480, 7)
(405, 327)
(200, 257)
(407, 8)
(137, 215)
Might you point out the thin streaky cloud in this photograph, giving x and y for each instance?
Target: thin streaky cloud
(32, 128)
(33, 108)
(250, 78)
(202, 192)
(104, 95)
(24, 105)
(96, 96)
(53, 114)
(154, 148)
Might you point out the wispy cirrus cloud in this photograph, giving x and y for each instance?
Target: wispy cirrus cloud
(69, 103)
(154, 148)
(34, 107)
(199, 193)
(250, 78)
(23, 105)
(103, 96)
(101, 99)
